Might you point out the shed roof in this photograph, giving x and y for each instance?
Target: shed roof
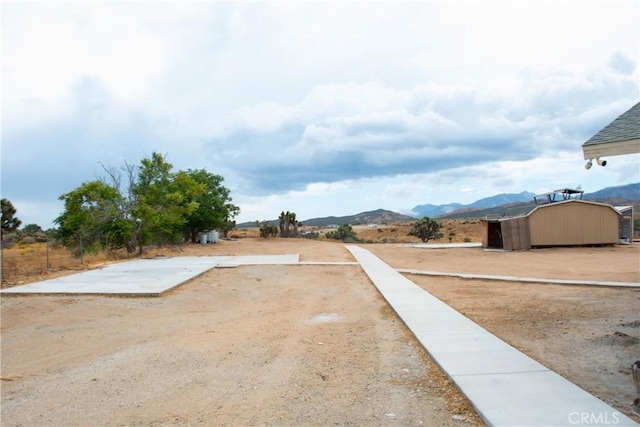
(551, 205)
(621, 136)
(527, 210)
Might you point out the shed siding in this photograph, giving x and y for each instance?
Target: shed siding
(515, 234)
(573, 224)
(484, 224)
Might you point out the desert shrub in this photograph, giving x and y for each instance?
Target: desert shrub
(344, 233)
(311, 235)
(268, 230)
(467, 239)
(426, 229)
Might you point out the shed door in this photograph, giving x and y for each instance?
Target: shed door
(495, 235)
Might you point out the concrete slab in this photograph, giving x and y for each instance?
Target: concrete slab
(142, 277)
(445, 245)
(506, 387)
(261, 259)
(327, 263)
(518, 279)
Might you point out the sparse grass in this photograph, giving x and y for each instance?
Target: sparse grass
(27, 262)
(458, 230)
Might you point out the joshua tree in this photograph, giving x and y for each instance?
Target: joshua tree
(288, 221)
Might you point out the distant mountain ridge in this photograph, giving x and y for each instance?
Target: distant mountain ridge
(488, 202)
(624, 192)
(379, 216)
(621, 195)
(504, 204)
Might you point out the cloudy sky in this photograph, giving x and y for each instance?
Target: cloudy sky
(321, 108)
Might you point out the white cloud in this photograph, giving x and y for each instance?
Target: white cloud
(338, 107)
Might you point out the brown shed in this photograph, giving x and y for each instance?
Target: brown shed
(511, 234)
(564, 223)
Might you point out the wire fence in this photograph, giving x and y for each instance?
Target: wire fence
(25, 262)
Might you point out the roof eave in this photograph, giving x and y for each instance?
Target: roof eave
(605, 149)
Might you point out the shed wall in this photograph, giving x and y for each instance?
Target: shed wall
(626, 224)
(564, 224)
(515, 234)
(484, 225)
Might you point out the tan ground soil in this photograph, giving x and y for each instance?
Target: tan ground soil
(307, 345)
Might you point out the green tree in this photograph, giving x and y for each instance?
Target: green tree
(164, 201)
(426, 229)
(32, 230)
(126, 226)
(137, 204)
(215, 210)
(90, 213)
(10, 222)
(344, 233)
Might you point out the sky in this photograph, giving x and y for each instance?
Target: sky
(316, 107)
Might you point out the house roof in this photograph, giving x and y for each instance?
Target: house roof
(621, 136)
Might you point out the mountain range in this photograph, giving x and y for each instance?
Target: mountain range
(505, 204)
(488, 202)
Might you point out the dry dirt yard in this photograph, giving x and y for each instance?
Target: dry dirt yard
(308, 344)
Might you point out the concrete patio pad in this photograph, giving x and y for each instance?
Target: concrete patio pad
(506, 387)
(143, 277)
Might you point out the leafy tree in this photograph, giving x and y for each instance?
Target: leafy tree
(10, 222)
(90, 217)
(426, 229)
(32, 230)
(137, 204)
(344, 233)
(164, 201)
(215, 210)
(126, 227)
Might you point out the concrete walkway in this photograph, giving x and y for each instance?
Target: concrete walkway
(506, 387)
(142, 277)
(521, 279)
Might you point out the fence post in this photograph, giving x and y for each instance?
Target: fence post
(48, 265)
(2, 279)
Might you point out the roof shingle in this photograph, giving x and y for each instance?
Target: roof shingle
(625, 127)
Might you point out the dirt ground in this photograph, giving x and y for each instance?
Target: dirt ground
(308, 345)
